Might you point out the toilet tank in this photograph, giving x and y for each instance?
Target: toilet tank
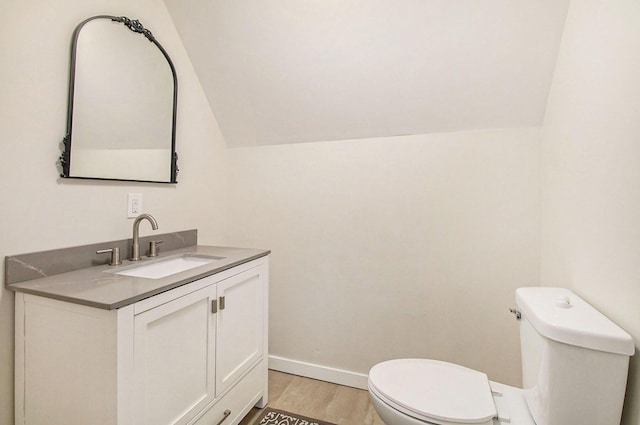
(574, 359)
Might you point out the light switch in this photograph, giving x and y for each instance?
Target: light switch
(134, 205)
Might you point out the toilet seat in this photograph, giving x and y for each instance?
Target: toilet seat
(434, 391)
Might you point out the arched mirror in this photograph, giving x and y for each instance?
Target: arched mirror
(121, 121)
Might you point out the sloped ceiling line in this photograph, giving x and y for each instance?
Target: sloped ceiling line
(289, 71)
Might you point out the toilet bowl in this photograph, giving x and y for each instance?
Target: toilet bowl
(575, 363)
(423, 391)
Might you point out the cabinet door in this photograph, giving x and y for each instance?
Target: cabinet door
(173, 347)
(240, 326)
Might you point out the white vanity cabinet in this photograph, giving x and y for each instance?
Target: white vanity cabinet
(196, 354)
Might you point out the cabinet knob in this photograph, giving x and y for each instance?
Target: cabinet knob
(225, 415)
(222, 303)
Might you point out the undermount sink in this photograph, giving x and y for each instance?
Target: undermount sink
(167, 266)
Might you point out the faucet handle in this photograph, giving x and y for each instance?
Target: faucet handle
(153, 248)
(115, 255)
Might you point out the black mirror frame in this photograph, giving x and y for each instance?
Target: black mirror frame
(134, 25)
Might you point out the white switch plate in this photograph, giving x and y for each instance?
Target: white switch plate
(134, 205)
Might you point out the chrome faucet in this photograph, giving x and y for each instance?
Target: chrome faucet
(135, 251)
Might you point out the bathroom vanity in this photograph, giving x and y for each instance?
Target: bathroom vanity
(94, 346)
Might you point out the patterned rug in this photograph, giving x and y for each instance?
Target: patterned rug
(280, 417)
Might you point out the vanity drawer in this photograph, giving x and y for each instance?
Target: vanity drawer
(235, 400)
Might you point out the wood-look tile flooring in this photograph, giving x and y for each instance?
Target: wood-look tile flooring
(319, 400)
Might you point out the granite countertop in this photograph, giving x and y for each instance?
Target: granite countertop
(99, 287)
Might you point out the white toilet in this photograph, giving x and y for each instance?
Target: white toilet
(574, 371)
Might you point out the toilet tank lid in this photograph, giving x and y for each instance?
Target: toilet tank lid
(561, 315)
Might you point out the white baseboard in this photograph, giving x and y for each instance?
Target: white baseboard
(323, 373)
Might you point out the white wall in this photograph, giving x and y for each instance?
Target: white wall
(393, 247)
(591, 168)
(40, 211)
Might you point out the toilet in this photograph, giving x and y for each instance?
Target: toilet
(574, 371)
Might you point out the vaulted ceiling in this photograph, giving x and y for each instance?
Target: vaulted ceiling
(288, 71)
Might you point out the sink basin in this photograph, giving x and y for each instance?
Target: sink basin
(168, 266)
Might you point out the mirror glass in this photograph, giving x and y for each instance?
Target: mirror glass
(122, 104)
